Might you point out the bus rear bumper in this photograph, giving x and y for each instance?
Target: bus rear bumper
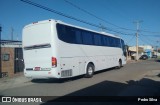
(41, 74)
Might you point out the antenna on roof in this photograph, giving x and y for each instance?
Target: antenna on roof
(12, 33)
(102, 28)
(17, 37)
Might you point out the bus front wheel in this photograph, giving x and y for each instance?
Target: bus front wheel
(120, 64)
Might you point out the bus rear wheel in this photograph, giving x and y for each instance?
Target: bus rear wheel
(89, 71)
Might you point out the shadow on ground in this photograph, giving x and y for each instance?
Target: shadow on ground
(111, 93)
(63, 80)
(158, 60)
(53, 80)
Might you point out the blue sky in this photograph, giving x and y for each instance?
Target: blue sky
(122, 13)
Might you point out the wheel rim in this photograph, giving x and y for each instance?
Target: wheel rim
(90, 70)
(120, 63)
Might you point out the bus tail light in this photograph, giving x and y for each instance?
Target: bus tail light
(54, 62)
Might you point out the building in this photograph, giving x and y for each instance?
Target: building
(11, 58)
(142, 50)
(156, 52)
(147, 50)
(132, 52)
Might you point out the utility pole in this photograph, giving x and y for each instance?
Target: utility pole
(157, 47)
(0, 51)
(137, 24)
(156, 50)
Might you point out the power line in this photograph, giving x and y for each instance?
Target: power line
(150, 35)
(71, 17)
(130, 40)
(91, 14)
(146, 41)
(146, 31)
(149, 40)
(57, 12)
(150, 32)
(74, 5)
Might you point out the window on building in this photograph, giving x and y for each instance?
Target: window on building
(5, 57)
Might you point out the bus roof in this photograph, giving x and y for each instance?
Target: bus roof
(58, 21)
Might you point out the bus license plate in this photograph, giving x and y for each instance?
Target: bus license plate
(37, 68)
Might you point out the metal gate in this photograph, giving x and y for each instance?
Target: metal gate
(18, 62)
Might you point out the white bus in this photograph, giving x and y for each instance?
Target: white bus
(54, 49)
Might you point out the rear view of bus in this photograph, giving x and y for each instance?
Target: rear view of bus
(54, 49)
(39, 54)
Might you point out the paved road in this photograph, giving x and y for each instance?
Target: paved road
(111, 82)
(52, 87)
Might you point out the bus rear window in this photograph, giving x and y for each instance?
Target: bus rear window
(37, 46)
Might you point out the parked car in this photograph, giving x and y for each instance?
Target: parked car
(144, 57)
(154, 56)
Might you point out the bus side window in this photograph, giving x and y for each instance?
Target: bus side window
(105, 40)
(87, 38)
(110, 41)
(61, 32)
(78, 36)
(97, 40)
(70, 35)
(119, 44)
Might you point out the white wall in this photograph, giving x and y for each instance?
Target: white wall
(147, 47)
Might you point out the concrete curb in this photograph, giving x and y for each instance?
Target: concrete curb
(12, 82)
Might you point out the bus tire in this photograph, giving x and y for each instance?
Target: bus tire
(89, 70)
(120, 64)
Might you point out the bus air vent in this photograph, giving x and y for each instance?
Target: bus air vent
(66, 73)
